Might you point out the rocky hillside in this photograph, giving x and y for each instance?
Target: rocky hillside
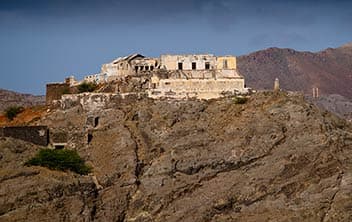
(335, 103)
(10, 98)
(274, 158)
(329, 70)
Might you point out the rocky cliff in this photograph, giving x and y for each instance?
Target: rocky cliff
(274, 158)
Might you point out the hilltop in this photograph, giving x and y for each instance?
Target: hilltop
(10, 98)
(276, 157)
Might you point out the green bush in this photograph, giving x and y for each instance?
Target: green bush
(240, 100)
(86, 87)
(12, 111)
(59, 159)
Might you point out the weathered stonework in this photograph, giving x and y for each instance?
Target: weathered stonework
(195, 88)
(34, 134)
(202, 76)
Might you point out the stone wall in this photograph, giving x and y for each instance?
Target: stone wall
(54, 91)
(34, 134)
(58, 136)
(197, 88)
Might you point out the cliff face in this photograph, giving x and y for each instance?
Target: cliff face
(330, 70)
(274, 158)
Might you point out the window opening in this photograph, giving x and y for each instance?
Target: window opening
(225, 64)
(180, 66)
(194, 65)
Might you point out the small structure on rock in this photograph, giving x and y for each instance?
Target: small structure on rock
(202, 76)
(315, 92)
(276, 85)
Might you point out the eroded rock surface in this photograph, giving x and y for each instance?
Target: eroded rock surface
(275, 158)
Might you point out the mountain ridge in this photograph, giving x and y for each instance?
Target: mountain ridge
(330, 70)
(11, 98)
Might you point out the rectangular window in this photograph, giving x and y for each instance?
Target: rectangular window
(225, 64)
(207, 65)
(180, 66)
(194, 65)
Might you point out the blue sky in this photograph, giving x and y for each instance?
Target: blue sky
(44, 41)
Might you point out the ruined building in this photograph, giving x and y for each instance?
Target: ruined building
(202, 76)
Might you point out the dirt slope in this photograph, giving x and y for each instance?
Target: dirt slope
(275, 158)
(27, 117)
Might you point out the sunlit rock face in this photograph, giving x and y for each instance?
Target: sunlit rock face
(275, 157)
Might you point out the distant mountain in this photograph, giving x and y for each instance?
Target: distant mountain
(10, 98)
(330, 70)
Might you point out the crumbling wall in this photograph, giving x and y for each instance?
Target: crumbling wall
(34, 134)
(88, 101)
(170, 62)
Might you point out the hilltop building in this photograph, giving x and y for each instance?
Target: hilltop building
(202, 76)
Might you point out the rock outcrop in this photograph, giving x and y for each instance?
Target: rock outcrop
(275, 158)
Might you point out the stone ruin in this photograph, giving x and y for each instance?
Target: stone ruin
(202, 76)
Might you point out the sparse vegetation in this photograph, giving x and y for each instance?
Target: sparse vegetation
(66, 91)
(12, 111)
(86, 87)
(60, 159)
(240, 100)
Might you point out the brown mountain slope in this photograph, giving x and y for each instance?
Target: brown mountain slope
(329, 70)
(10, 98)
(275, 158)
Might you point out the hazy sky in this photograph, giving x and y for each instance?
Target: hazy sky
(45, 40)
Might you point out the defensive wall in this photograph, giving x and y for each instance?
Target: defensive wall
(35, 134)
(54, 91)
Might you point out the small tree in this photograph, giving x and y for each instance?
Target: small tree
(12, 111)
(86, 87)
(240, 100)
(60, 159)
